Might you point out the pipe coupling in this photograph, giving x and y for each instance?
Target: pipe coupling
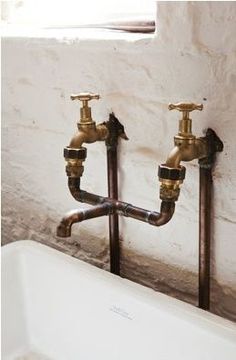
(74, 158)
(170, 179)
(169, 191)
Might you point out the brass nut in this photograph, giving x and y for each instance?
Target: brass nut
(73, 153)
(165, 172)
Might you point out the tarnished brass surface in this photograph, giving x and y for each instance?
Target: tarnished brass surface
(84, 96)
(169, 190)
(88, 132)
(85, 111)
(187, 148)
(185, 107)
(185, 151)
(74, 167)
(185, 124)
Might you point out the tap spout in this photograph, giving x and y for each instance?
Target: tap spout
(174, 158)
(172, 173)
(79, 215)
(78, 140)
(89, 133)
(186, 151)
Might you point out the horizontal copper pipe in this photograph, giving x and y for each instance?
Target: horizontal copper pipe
(151, 217)
(122, 208)
(75, 216)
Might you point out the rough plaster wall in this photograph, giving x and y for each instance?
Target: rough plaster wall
(192, 57)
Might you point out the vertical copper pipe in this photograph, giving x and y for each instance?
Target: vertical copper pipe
(113, 218)
(204, 236)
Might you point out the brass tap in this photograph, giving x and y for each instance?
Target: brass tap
(187, 147)
(88, 132)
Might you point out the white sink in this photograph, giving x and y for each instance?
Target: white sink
(60, 308)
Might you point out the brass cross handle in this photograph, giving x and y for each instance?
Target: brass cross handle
(185, 108)
(85, 110)
(85, 97)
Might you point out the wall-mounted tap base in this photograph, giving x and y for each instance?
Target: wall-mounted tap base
(214, 144)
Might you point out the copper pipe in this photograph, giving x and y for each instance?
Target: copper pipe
(75, 216)
(214, 145)
(205, 185)
(151, 217)
(113, 218)
(81, 195)
(122, 208)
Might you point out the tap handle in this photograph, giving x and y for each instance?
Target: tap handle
(185, 108)
(84, 97)
(85, 110)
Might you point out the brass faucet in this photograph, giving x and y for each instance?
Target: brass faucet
(187, 147)
(171, 175)
(89, 132)
(75, 154)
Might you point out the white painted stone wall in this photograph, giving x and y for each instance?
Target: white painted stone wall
(192, 57)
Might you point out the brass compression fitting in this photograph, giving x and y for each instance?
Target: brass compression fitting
(187, 147)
